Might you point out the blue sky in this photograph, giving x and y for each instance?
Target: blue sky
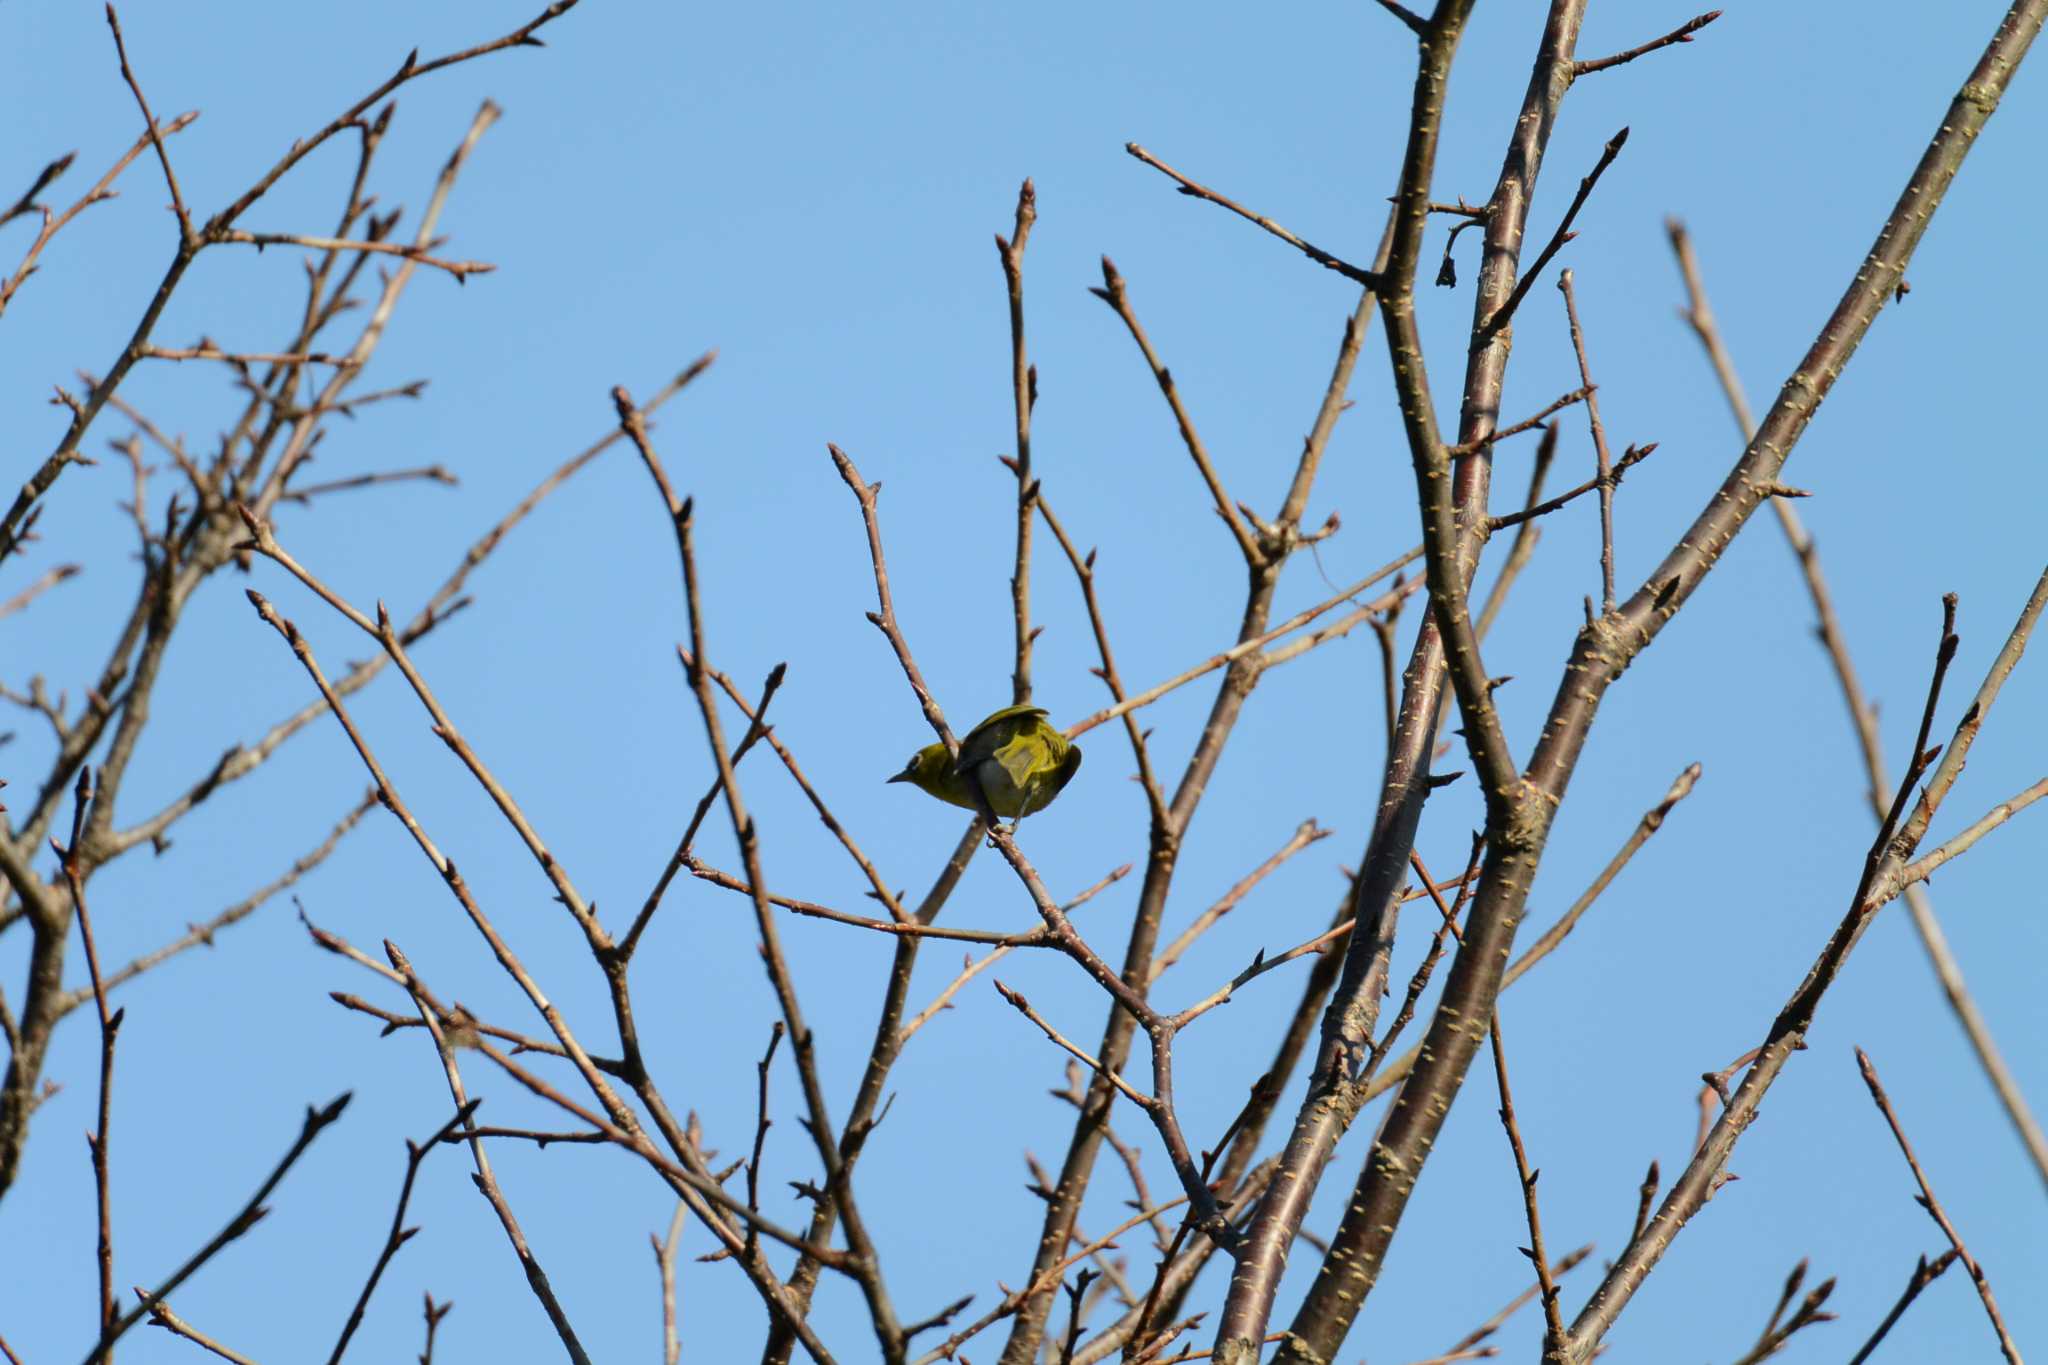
(811, 190)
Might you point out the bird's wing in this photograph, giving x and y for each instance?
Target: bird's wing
(1069, 765)
(994, 732)
(1022, 756)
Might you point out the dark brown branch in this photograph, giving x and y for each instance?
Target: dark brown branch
(1646, 1199)
(1351, 1015)
(1603, 483)
(1682, 34)
(1196, 190)
(1415, 23)
(1506, 312)
(1553, 1320)
(1044, 1284)
(1578, 395)
(1924, 1274)
(761, 1125)
(434, 1313)
(975, 966)
(44, 179)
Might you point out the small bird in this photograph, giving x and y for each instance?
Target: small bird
(1015, 756)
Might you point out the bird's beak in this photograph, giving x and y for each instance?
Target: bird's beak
(903, 776)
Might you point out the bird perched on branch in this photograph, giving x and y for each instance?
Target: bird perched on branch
(1016, 757)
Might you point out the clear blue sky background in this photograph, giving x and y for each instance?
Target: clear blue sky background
(811, 189)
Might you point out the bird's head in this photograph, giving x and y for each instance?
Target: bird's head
(930, 769)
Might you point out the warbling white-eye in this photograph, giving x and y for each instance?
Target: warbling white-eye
(1019, 760)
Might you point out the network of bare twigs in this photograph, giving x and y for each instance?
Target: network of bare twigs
(1238, 1197)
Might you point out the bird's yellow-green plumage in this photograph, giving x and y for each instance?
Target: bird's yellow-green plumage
(1017, 758)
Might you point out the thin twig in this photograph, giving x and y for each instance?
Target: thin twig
(251, 1213)
(1924, 1274)
(1808, 1314)
(149, 121)
(1129, 1091)
(1923, 867)
(399, 1234)
(1564, 1266)
(160, 1315)
(665, 1249)
(1051, 1278)
(461, 270)
(50, 579)
(1553, 1319)
(203, 934)
(1540, 419)
(1877, 885)
(863, 1262)
(1023, 396)
(485, 1178)
(110, 1027)
(1604, 465)
(434, 1313)
(975, 966)
(1927, 1201)
(1682, 34)
(1084, 572)
(1564, 233)
(27, 203)
(1524, 547)
(433, 473)
(761, 1125)
(1113, 293)
(1630, 458)
(1653, 820)
(1418, 981)
(1195, 190)
(1255, 643)
(1862, 717)
(1308, 832)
